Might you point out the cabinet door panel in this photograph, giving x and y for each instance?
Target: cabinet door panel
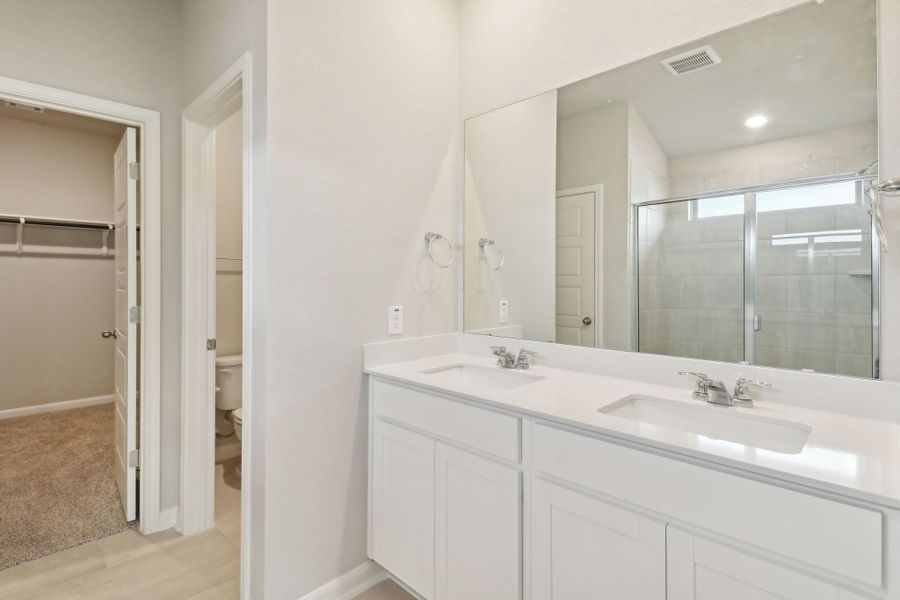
(699, 569)
(478, 525)
(403, 505)
(585, 548)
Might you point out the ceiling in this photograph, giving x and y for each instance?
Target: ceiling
(63, 119)
(809, 69)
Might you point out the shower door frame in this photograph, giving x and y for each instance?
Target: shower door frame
(749, 273)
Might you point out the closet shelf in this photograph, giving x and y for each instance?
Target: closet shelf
(54, 222)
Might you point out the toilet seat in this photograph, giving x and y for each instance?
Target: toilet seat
(236, 416)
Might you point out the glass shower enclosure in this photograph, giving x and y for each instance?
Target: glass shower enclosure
(783, 276)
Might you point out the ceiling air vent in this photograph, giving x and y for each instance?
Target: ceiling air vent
(21, 106)
(691, 61)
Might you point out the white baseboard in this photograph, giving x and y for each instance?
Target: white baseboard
(168, 518)
(350, 584)
(24, 411)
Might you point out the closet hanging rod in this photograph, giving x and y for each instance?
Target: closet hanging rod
(53, 222)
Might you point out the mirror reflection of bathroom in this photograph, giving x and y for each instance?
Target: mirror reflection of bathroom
(707, 202)
(227, 307)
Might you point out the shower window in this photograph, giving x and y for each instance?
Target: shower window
(784, 277)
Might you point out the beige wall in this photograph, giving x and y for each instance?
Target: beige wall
(54, 307)
(510, 189)
(123, 50)
(229, 209)
(592, 149)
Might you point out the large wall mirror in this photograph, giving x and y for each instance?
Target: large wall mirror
(707, 202)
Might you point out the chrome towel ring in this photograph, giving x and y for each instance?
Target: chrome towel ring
(483, 243)
(888, 187)
(430, 238)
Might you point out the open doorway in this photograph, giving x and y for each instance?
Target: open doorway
(71, 310)
(215, 304)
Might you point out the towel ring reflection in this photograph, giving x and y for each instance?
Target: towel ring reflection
(888, 187)
(430, 238)
(483, 243)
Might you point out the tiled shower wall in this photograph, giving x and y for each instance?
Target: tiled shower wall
(691, 284)
(814, 301)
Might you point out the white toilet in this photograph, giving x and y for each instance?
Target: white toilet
(229, 382)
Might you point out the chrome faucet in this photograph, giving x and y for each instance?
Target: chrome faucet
(742, 394)
(508, 360)
(505, 358)
(713, 391)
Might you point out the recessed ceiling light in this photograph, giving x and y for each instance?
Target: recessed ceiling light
(756, 121)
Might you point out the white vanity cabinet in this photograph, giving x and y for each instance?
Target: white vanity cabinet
(469, 502)
(445, 495)
(583, 547)
(699, 569)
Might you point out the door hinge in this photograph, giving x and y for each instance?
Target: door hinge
(211, 344)
(134, 315)
(134, 459)
(134, 170)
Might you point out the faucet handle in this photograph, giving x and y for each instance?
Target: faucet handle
(741, 395)
(701, 392)
(498, 349)
(522, 360)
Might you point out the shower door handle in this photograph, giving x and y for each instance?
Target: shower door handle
(757, 322)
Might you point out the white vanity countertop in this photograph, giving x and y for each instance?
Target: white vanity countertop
(851, 456)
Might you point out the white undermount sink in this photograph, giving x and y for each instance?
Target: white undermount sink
(721, 423)
(493, 378)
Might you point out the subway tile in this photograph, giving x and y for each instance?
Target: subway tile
(810, 293)
(855, 365)
(809, 220)
(853, 333)
(810, 331)
(771, 293)
(853, 294)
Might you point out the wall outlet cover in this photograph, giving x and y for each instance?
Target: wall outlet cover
(504, 312)
(395, 319)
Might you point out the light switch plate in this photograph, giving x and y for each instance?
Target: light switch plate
(395, 319)
(504, 311)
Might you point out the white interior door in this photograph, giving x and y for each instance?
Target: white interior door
(126, 322)
(576, 319)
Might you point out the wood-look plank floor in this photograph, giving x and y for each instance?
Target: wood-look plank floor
(131, 566)
(162, 566)
(386, 590)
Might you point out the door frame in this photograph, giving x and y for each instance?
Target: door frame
(147, 122)
(597, 190)
(198, 259)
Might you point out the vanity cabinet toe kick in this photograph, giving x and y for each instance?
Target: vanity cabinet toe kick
(467, 502)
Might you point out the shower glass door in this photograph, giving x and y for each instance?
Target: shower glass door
(784, 277)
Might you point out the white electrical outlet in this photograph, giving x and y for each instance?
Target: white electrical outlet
(395, 320)
(504, 311)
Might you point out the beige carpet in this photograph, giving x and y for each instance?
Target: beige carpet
(57, 484)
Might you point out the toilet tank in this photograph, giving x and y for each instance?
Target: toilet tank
(229, 381)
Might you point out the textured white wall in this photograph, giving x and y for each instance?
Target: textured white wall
(844, 150)
(363, 155)
(510, 191)
(123, 50)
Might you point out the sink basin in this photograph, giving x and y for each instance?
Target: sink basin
(720, 423)
(493, 378)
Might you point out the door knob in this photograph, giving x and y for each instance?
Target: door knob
(109, 333)
(587, 320)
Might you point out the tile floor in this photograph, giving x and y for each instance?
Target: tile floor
(162, 566)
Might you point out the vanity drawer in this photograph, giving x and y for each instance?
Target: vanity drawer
(838, 537)
(491, 432)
